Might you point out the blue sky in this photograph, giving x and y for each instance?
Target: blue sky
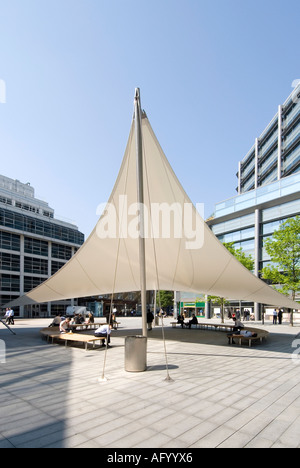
(211, 73)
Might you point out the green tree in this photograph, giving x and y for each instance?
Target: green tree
(222, 302)
(165, 299)
(284, 251)
(247, 261)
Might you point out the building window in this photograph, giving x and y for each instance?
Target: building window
(37, 266)
(285, 211)
(9, 262)
(6, 201)
(25, 207)
(62, 252)
(35, 247)
(55, 266)
(40, 227)
(9, 241)
(31, 283)
(9, 283)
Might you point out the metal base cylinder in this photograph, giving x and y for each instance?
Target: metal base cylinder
(135, 354)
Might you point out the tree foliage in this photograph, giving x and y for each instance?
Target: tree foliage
(165, 299)
(247, 261)
(284, 251)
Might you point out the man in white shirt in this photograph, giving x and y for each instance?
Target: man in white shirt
(9, 315)
(104, 331)
(64, 326)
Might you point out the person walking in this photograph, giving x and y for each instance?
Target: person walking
(150, 319)
(9, 317)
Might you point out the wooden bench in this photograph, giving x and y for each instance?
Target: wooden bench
(85, 326)
(75, 337)
(206, 325)
(114, 325)
(47, 332)
(261, 334)
(79, 338)
(174, 325)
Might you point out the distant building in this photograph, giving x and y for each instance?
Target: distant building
(268, 188)
(33, 245)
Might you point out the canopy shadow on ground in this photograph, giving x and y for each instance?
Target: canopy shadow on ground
(275, 342)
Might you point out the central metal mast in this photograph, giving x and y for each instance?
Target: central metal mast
(140, 199)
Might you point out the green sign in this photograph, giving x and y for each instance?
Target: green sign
(199, 305)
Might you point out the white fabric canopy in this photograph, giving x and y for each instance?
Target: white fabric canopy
(184, 259)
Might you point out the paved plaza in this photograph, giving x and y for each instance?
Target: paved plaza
(221, 396)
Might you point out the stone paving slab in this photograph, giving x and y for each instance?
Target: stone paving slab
(221, 396)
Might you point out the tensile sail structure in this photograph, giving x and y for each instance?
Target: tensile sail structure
(180, 252)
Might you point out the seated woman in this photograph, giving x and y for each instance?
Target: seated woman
(90, 319)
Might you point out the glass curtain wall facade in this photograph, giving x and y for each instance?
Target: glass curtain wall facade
(33, 246)
(276, 153)
(268, 189)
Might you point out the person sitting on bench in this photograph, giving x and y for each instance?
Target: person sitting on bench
(180, 320)
(64, 326)
(238, 326)
(56, 321)
(104, 331)
(194, 321)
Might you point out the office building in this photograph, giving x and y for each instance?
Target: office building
(33, 246)
(276, 153)
(268, 189)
